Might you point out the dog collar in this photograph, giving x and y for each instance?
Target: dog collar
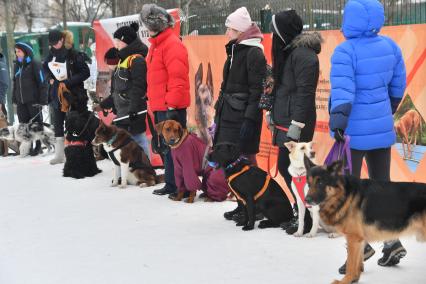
(75, 143)
(232, 165)
(110, 141)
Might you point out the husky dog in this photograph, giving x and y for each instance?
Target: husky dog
(26, 133)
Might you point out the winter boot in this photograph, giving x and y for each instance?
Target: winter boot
(393, 251)
(59, 151)
(368, 252)
(37, 149)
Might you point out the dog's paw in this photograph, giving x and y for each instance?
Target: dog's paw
(143, 184)
(189, 200)
(298, 234)
(310, 235)
(333, 235)
(122, 186)
(239, 224)
(248, 227)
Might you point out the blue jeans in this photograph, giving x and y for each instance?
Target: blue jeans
(142, 141)
(169, 170)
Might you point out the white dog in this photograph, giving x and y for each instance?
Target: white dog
(300, 188)
(26, 133)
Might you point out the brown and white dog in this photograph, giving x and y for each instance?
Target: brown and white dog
(407, 128)
(131, 163)
(4, 148)
(204, 110)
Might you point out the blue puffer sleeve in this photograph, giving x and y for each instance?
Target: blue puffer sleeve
(342, 78)
(399, 79)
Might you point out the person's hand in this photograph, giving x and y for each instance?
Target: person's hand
(51, 81)
(339, 135)
(247, 130)
(294, 132)
(133, 116)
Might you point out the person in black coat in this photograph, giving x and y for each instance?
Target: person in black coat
(65, 66)
(238, 118)
(296, 71)
(29, 88)
(128, 84)
(4, 83)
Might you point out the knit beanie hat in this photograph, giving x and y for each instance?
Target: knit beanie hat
(155, 18)
(26, 47)
(127, 34)
(55, 36)
(239, 20)
(111, 57)
(287, 25)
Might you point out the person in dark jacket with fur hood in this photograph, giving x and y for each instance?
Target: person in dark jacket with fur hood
(238, 116)
(29, 88)
(128, 84)
(295, 67)
(66, 70)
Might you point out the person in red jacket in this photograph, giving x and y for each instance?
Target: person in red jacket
(167, 77)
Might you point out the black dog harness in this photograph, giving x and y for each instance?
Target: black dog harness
(111, 153)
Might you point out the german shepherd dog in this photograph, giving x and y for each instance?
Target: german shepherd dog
(365, 210)
(204, 103)
(131, 163)
(253, 188)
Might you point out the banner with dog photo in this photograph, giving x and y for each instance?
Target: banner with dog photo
(207, 56)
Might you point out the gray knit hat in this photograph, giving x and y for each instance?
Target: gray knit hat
(155, 18)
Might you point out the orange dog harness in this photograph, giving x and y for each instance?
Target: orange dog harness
(258, 195)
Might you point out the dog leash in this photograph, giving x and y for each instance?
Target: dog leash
(270, 152)
(127, 116)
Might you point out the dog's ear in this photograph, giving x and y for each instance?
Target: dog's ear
(210, 81)
(290, 145)
(308, 163)
(336, 168)
(198, 77)
(159, 127)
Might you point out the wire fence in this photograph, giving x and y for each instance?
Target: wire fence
(316, 14)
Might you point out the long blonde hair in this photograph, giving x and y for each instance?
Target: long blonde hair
(68, 39)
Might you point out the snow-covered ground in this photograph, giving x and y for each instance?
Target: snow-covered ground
(61, 230)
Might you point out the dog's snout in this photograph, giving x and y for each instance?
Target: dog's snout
(309, 199)
(312, 154)
(172, 141)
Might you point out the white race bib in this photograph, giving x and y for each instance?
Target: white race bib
(59, 70)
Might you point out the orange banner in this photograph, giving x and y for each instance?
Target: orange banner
(408, 162)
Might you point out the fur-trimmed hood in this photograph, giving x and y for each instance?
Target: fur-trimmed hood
(311, 40)
(68, 39)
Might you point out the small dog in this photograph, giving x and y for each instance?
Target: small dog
(80, 159)
(300, 188)
(131, 163)
(408, 127)
(26, 133)
(189, 154)
(204, 110)
(4, 148)
(365, 210)
(252, 187)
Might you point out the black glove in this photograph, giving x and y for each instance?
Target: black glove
(172, 114)
(247, 130)
(133, 116)
(339, 135)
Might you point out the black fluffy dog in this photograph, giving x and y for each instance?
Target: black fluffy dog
(80, 158)
(253, 188)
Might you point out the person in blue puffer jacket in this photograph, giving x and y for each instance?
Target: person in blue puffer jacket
(368, 80)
